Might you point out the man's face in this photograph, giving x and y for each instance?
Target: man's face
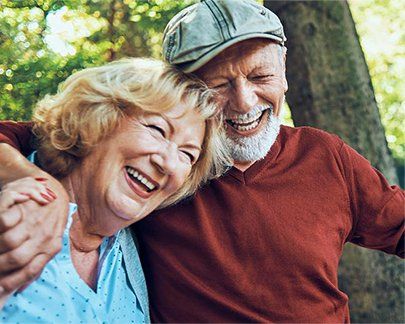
(250, 79)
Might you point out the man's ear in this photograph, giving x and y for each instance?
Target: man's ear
(285, 83)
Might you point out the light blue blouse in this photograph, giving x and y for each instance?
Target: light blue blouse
(60, 295)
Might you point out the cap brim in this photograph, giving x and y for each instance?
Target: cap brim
(195, 65)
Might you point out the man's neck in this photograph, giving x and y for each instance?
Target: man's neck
(243, 166)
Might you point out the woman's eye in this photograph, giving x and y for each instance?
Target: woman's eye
(189, 156)
(158, 129)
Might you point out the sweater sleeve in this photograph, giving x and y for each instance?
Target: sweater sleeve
(378, 209)
(18, 135)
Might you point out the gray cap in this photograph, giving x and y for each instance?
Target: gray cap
(200, 32)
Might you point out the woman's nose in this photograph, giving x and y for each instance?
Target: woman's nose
(166, 160)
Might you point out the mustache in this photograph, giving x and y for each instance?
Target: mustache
(254, 111)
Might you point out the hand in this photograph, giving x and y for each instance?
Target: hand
(31, 226)
(12, 194)
(22, 190)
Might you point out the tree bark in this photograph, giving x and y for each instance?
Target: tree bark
(330, 88)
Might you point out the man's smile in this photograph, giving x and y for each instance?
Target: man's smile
(245, 124)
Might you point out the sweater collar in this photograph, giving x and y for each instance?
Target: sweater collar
(249, 174)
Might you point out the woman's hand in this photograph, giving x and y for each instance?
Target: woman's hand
(22, 190)
(28, 237)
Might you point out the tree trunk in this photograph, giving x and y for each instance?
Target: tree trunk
(330, 88)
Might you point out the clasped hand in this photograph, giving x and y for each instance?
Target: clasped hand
(32, 219)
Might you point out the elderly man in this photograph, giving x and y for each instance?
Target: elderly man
(263, 242)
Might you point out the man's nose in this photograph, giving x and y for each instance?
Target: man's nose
(166, 160)
(244, 96)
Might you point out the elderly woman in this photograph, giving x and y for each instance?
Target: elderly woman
(124, 139)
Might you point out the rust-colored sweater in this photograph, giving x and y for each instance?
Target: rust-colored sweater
(264, 245)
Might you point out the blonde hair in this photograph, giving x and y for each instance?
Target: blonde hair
(91, 103)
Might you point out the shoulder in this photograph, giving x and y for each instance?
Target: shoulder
(308, 133)
(310, 146)
(306, 136)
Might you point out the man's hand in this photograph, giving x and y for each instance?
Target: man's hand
(30, 231)
(30, 244)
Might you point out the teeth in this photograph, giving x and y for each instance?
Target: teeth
(243, 119)
(248, 121)
(246, 128)
(140, 178)
(251, 116)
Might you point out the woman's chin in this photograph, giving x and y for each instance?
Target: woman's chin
(117, 220)
(129, 218)
(128, 209)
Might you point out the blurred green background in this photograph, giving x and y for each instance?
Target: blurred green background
(44, 41)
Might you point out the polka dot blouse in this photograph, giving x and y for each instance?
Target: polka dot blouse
(59, 295)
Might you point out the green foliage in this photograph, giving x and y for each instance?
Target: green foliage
(44, 41)
(29, 69)
(381, 25)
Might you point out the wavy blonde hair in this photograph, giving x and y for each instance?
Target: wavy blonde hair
(90, 104)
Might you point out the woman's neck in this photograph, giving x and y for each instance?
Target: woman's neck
(84, 245)
(81, 236)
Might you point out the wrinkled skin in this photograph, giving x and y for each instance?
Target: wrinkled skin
(30, 232)
(31, 222)
(246, 74)
(163, 149)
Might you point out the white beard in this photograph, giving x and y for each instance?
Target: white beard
(256, 147)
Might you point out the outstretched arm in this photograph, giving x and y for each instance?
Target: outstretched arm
(377, 207)
(30, 234)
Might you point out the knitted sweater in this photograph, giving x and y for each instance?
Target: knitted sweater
(264, 245)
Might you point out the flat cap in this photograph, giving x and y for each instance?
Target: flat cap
(201, 31)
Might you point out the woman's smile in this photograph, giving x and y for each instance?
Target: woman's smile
(140, 183)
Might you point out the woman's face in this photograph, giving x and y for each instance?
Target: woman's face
(132, 172)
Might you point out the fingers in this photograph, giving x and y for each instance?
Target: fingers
(23, 277)
(16, 233)
(9, 198)
(23, 287)
(9, 218)
(20, 191)
(18, 257)
(29, 230)
(35, 189)
(3, 299)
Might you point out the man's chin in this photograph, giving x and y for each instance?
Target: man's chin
(248, 149)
